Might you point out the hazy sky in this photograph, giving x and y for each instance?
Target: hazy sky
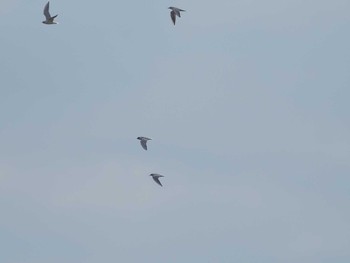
(247, 103)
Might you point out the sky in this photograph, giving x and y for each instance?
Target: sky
(247, 106)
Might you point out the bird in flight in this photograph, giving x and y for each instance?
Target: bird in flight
(143, 141)
(175, 12)
(156, 178)
(49, 18)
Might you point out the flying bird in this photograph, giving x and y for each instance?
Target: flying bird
(49, 18)
(156, 178)
(175, 12)
(143, 141)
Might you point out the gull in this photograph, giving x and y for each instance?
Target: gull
(49, 18)
(143, 141)
(175, 12)
(156, 178)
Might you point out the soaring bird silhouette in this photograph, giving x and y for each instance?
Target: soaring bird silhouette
(156, 178)
(49, 18)
(175, 12)
(143, 141)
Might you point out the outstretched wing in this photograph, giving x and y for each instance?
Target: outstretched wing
(173, 16)
(144, 144)
(52, 18)
(46, 11)
(156, 179)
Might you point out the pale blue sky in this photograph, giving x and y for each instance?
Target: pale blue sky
(247, 103)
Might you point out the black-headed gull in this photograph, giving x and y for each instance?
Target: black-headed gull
(143, 141)
(49, 18)
(156, 178)
(175, 12)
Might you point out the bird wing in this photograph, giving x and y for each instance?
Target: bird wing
(157, 175)
(177, 12)
(46, 11)
(144, 144)
(173, 16)
(52, 18)
(156, 179)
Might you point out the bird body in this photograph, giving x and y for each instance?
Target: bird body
(143, 141)
(156, 178)
(175, 12)
(49, 19)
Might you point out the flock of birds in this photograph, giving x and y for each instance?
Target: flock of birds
(143, 141)
(50, 19)
(175, 12)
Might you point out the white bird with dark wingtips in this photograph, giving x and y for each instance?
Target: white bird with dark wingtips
(156, 178)
(175, 12)
(49, 18)
(143, 141)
